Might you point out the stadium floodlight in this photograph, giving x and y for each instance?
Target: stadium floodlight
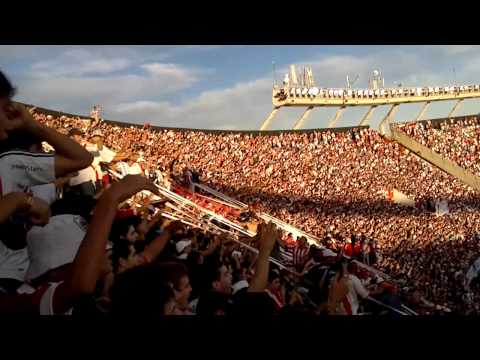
(314, 91)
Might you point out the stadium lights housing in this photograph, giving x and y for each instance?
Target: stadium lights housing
(314, 91)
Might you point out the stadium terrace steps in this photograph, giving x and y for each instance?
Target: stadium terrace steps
(435, 159)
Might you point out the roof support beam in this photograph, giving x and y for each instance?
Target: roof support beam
(422, 110)
(268, 120)
(367, 116)
(387, 118)
(337, 116)
(299, 123)
(455, 108)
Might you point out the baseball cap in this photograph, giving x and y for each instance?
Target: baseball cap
(97, 132)
(182, 245)
(55, 244)
(239, 285)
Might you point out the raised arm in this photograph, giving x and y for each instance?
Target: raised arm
(154, 249)
(87, 266)
(69, 155)
(212, 246)
(11, 203)
(18, 202)
(268, 237)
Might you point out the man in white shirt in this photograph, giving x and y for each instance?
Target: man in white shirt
(102, 154)
(86, 267)
(85, 181)
(130, 167)
(20, 170)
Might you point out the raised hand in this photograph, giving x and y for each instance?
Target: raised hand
(39, 212)
(174, 226)
(19, 118)
(268, 236)
(129, 186)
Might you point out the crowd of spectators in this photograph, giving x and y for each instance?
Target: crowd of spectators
(329, 184)
(456, 140)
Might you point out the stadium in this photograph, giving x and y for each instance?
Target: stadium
(336, 220)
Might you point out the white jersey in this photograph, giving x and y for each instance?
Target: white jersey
(100, 156)
(46, 192)
(123, 168)
(94, 171)
(135, 169)
(351, 303)
(22, 169)
(13, 263)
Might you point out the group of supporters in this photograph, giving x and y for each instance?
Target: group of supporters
(73, 240)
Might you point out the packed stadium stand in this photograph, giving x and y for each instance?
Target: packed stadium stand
(331, 183)
(334, 184)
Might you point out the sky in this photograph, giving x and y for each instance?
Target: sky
(225, 87)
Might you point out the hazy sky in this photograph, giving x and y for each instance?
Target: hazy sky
(223, 87)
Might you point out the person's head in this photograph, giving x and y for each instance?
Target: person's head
(125, 229)
(74, 205)
(76, 134)
(341, 267)
(218, 278)
(352, 268)
(302, 241)
(133, 157)
(274, 280)
(140, 291)
(97, 137)
(176, 276)
(123, 256)
(142, 228)
(7, 91)
(239, 275)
